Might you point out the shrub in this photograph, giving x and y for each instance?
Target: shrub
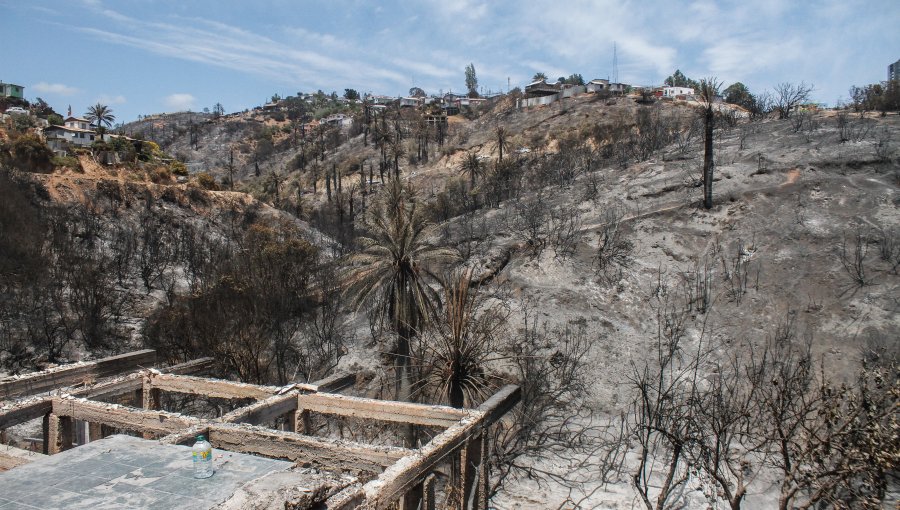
(29, 153)
(67, 162)
(162, 174)
(207, 181)
(178, 168)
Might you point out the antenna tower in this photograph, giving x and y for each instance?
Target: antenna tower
(615, 76)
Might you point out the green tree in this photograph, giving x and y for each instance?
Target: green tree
(351, 94)
(471, 80)
(100, 115)
(738, 93)
(539, 76)
(28, 153)
(417, 92)
(575, 79)
(41, 109)
(218, 110)
(678, 79)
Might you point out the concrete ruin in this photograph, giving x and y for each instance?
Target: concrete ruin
(75, 405)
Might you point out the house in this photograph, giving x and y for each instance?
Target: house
(469, 101)
(11, 90)
(410, 102)
(60, 138)
(76, 132)
(385, 100)
(78, 123)
(541, 88)
(675, 92)
(339, 119)
(597, 86)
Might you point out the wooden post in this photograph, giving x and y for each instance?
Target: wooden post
(428, 493)
(412, 498)
(471, 459)
(484, 473)
(51, 434)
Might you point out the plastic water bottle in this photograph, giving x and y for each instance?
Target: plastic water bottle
(202, 454)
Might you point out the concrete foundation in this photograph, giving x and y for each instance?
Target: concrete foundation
(127, 472)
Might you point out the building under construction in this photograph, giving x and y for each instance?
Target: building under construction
(108, 442)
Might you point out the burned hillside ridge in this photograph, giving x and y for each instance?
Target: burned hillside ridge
(599, 226)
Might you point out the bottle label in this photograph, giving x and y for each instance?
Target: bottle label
(204, 455)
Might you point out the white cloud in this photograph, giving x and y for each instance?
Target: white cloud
(111, 100)
(214, 43)
(179, 102)
(54, 88)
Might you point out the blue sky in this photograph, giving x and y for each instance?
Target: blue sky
(143, 57)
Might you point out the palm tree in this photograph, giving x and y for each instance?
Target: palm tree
(539, 76)
(471, 165)
(502, 140)
(393, 269)
(461, 345)
(100, 114)
(709, 88)
(397, 152)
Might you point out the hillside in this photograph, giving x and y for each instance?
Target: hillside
(589, 235)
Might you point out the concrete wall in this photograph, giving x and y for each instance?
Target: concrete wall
(573, 91)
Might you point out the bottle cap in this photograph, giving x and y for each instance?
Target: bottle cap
(201, 438)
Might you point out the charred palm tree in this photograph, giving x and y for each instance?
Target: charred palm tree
(471, 166)
(502, 141)
(393, 269)
(397, 152)
(461, 344)
(709, 89)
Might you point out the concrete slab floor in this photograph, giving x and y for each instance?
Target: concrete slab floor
(127, 472)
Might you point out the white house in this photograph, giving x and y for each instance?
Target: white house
(597, 85)
(672, 92)
(76, 132)
(78, 123)
(375, 99)
(410, 102)
(59, 138)
(339, 119)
